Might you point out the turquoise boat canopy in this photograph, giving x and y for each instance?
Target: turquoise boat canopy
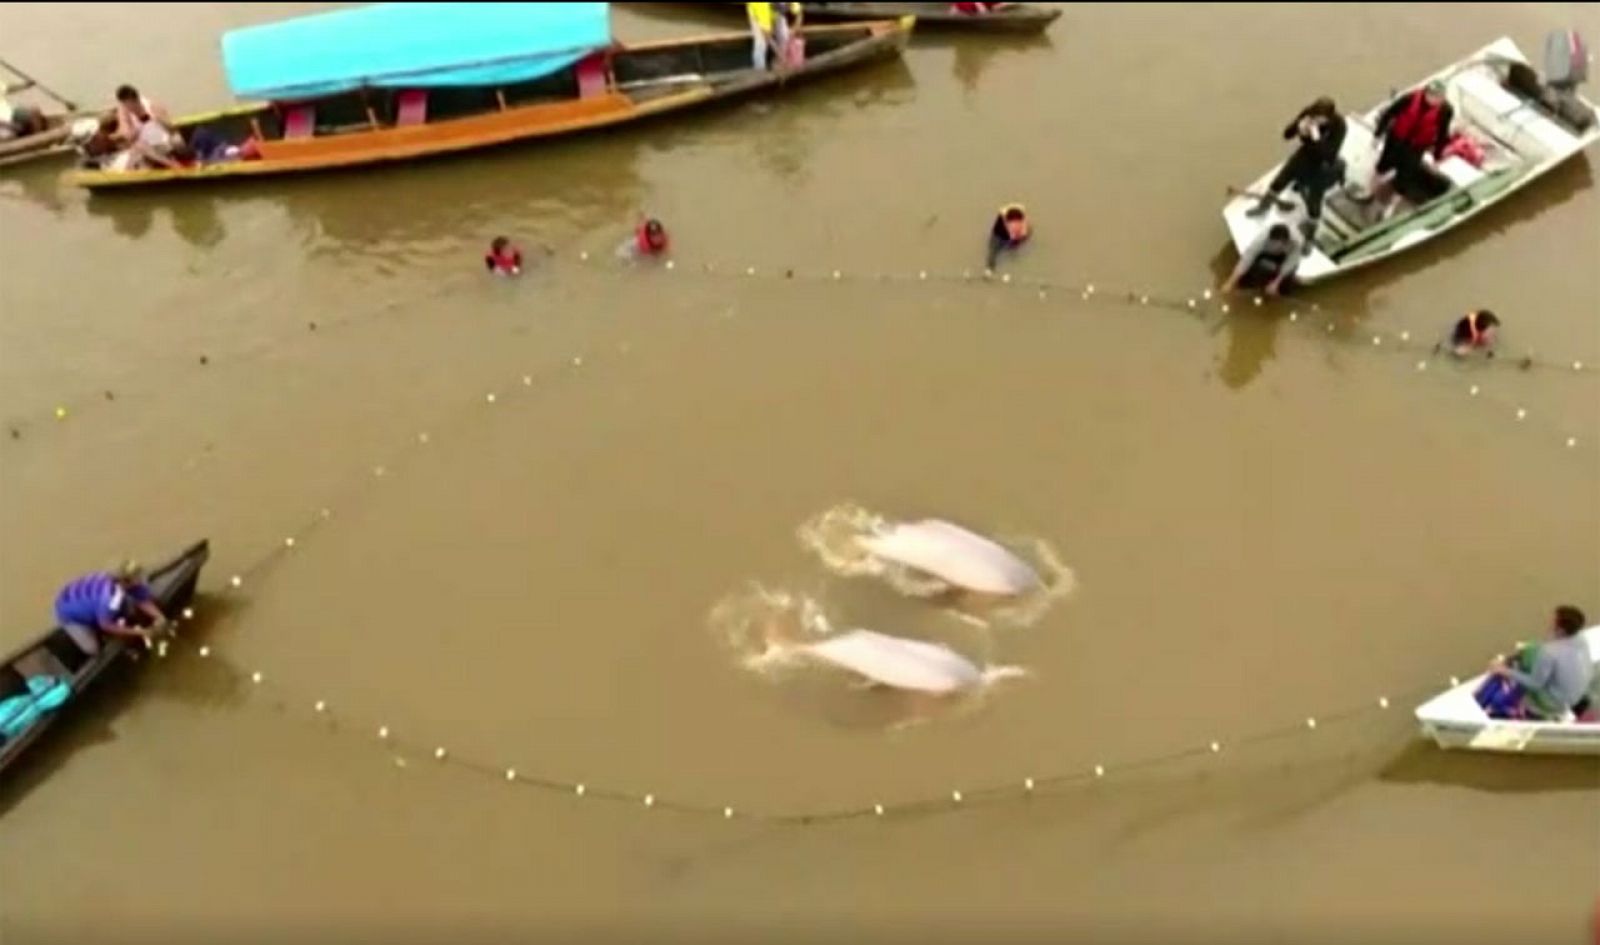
(411, 45)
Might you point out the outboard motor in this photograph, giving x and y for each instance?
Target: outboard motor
(1566, 60)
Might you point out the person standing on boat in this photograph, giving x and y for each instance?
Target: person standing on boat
(1268, 262)
(786, 25)
(1553, 677)
(761, 17)
(1415, 129)
(98, 603)
(1314, 166)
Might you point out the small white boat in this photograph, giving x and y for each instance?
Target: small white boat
(1453, 719)
(1523, 139)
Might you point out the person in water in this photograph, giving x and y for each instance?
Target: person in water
(102, 603)
(1475, 331)
(503, 258)
(1314, 166)
(1010, 230)
(1545, 681)
(1415, 129)
(1267, 263)
(650, 238)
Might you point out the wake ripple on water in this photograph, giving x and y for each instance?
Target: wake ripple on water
(835, 537)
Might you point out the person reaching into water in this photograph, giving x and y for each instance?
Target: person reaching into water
(1268, 262)
(1545, 681)
(1010, 230)
(503, 258)
(1474, 331)
(1314, 166)
(102, 603)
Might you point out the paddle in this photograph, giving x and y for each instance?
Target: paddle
(70, 105)
(1280, 202)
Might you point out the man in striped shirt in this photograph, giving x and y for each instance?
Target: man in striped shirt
(98, 603)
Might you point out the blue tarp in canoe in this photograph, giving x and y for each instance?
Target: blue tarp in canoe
(411, 45)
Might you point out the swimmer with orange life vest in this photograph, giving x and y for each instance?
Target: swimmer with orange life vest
(1010, 231)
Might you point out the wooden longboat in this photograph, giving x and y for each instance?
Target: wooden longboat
(53, 142)
(54, 656)
(1010, 18)
(608, 87)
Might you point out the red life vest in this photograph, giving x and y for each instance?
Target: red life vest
(507, 261)
(641, 237)
(1418, 124)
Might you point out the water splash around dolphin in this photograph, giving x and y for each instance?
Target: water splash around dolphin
(1011, 582)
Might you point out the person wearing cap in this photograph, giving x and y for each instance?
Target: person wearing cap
(1415, 129)
(101, 602)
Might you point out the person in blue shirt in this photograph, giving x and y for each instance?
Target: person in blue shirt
(102, 603)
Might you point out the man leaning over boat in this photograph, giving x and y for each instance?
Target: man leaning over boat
(106, 602)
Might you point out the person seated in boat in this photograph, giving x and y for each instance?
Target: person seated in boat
(1415, 129)
(761, 16)
(1474, 331)
(1314, 167)
(110, 603)
(144, 129)
(1010, 230)
(1268, 263)
(977, 9)
(20, 121)
(1546, 681)
(503, 258)
(649, 239)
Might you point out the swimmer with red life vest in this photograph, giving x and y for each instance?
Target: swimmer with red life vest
(649, 240)
(1010, 231)
(1475, 331)
(503, 258)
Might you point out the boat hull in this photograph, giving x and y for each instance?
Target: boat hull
(1454, 720)
(620, 104)
(1019, 18)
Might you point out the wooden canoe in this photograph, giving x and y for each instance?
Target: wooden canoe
(1012, 18)
(53, 654)
(620, 85)
(53, 142)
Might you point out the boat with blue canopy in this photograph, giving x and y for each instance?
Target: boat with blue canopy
(403, 81)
